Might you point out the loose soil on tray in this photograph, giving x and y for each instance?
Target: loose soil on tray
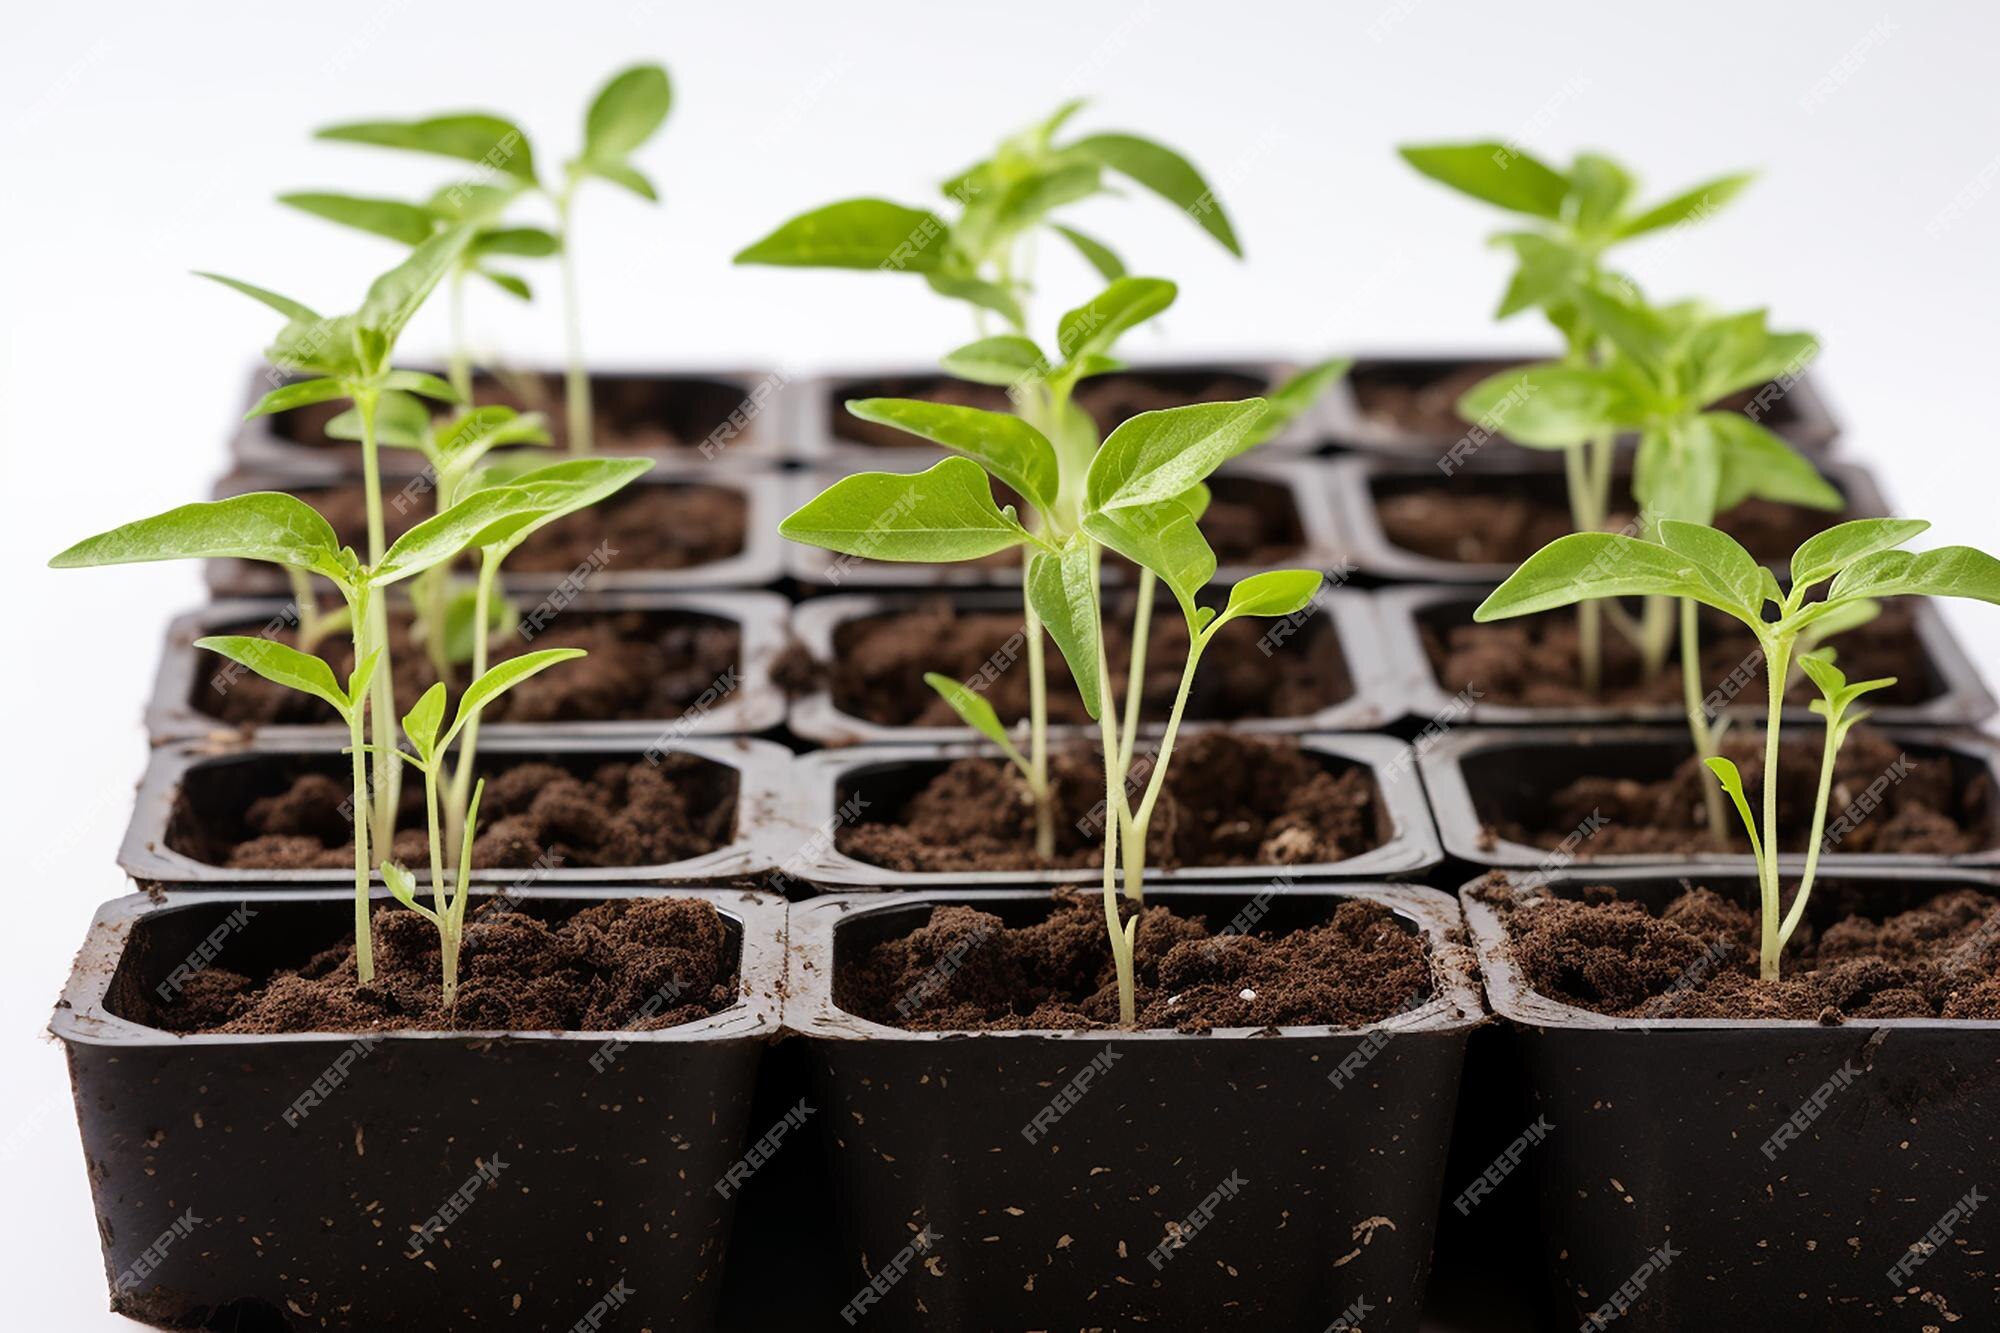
(1531, 662)
(635, 965)
(1228, 800)
(642, 664)
(1472, 520)
(656, 526)
(630, 412)
(965, 969)
(1109, 399)
(1939, 960)
(1923, 808)
(1427, 404)
(879, 665)
(287, 814)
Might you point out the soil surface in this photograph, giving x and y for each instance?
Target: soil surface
(1919, 808)
(965, 969)
(630, 412)
(630, 965)
(1471, 520)
(879, 665)
(1227, 800)
(1698, 958)
(1110, 399)
(288, 814)
(642, 664)
(644, 526)
(1532, 662)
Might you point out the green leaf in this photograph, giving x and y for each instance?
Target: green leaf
(1165, 538)
(1634, 328)
(856, 233)
(1677, 474)
(1277, 592)
(359, 678)
(421, 723)
(470, 137)
(1547, 406)
(1012, 450)
(1586, 565)
(467, 201)
(1825, 554)
(1720, 561)
(1689, 206)
(1128, 302)
(1495, 173)
(526, 242)
(1063, 590)
(507, 282)
(623, 173)
(419, 382)
(281, 664)
(263, 525)
(1291, 400)
(1031, 198)
(396, 296)
(501, 678)
(469, 435)
(1732, 782)
(1099, 255)
(403, 885)
(1757, 463)
(1598, 189)
(557, 490)
(1949, 571)
(461, 622)
(299, 393)
(1006, 359)
(1157, 455)
(411, 224)
(284, 305)
(979, 292)
(401, 421)
(443, 536)
(973, 709)
(1164, 172)
(628, 111)
(941, 515)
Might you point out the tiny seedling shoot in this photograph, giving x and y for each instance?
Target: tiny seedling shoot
(985, 257)
(626, 113)
(1140, 495)
(1662, 369)
(1569, 221)
(1695, 562)
(284, 530)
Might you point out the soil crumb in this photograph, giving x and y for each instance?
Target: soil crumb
(965, 969)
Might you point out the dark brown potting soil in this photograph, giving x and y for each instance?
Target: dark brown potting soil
(1917, 806)
(1463, 521)
(1227, 800)
(644, 526)
(1109, 399)
(1698, 958)
(879, 665)
(965, 969)
(629, 965)
(629, 412)
(596, 813)
(1420, 405)
(1532, 662)
(642, 664)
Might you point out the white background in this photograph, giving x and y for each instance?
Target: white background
(144, 140)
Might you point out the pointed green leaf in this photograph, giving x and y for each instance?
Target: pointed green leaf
(359, 678)
(1277, 592)
(1164, 172)
(284, 305)
(1292, 399)
(263, 525)
(1063, 590)
(1586, 565)
(1005, 359)
(1126, 303)
(1949, 571)
(1164, 538)
(1015, 452)
(1732, 782)
(856, 233)
(299, 393)
(979, 292)
(1757, 463)
(396, 296)
(281, 664)
(1548, 406)
(403, 885)
(628, 111)
(626, 175)
(507, 282)
(1720, 561)
(974, 709)
(526, 242)
(469, 136)
(1495, 173)
(1825, 554)
(938, 516)
(1598, 189)
(1099, 255)
(401, 421)
(1158, 455)
(421, 723)
(501, 678)
(1688, 206)
(421, 382)
(554, 491)
(411, 224)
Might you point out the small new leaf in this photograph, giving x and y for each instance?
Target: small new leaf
(1156, 456)
(941, 515)
(282, 664)
(856, 233)
(1015, 452)
(1063, 590)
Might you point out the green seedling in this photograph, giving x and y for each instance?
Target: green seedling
(1572, 220)
(351, 358)
(626, 113)
(1140, 496)
(428, 747)
(1665, 368)
(283, 530)
(1701, 565)
(984, 256)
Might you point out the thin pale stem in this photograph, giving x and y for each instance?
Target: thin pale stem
(382, 689)
(461, 358)
(1585, 517)
(576, 379)
(1697, 719)
(1779, 655)
(436, 839)
(1121, 941)
(1038, 726)
(468, 744)
(364, 944)
(1135, 674)
(1816, 833)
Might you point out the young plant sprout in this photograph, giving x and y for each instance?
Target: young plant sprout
(351, 357)
(985, 256)
(1043, 455)
(1699, 564)
(626, 113)
(1664, 368)
(1139, 496)
(284, 530)
(1572, 219)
